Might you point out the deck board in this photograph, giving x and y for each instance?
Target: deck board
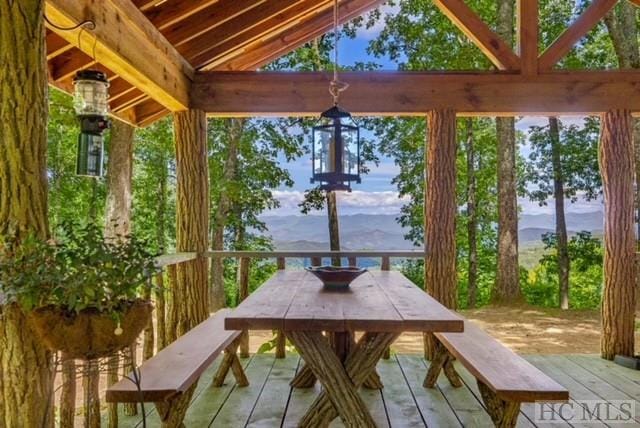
(403, 402)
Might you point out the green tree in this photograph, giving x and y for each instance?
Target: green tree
(563, 164)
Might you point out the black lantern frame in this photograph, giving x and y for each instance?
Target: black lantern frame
(90, 101)
(333, 164)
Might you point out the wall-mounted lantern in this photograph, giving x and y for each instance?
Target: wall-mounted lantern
(91, 92)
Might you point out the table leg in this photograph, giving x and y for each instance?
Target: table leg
(339, 396)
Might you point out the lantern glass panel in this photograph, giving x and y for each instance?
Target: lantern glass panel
(350, 149)
(90, 97)
(324, 149)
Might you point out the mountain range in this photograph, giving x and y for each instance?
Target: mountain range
(377, 231)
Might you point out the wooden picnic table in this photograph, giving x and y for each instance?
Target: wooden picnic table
(381, 304)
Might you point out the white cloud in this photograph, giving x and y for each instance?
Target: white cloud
(357, 201)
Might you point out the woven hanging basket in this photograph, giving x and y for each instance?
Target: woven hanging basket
(90, 334)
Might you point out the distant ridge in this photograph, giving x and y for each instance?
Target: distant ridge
(380, 231)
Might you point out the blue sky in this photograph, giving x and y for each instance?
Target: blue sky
(376, 194)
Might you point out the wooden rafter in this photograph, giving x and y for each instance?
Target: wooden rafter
(527, 35)
(205, 21)
(264, 52)
(492, 45)
(261, 22)
(127, 43)
(172, 12)
(414, 93)
(578, 29)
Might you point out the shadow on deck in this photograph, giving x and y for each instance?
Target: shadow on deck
(270, 402)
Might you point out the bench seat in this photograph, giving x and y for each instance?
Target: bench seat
(505, 379)
(172, 373)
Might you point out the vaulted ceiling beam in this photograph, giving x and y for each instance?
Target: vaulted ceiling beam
(527, 35)
(127, 43)
(492, 45)
(577, 30)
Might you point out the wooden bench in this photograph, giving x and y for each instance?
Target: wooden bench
(169, 378)
(505, 379)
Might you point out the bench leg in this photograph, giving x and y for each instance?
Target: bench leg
(503, 413)
(442, 361)
(172, 412)
(231, 361)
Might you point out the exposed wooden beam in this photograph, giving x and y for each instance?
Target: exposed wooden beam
(578, 29)
(492, 45)
(414, 93)
(127, 43)
(56, 45)
(261, 22)
(265, 52)
(206, 20)
(171, 12)
(66, 65)
(527, 35)
(147, 112)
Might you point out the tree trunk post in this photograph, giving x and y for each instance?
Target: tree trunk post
(472, 225)
(440, 212)
(618, 294)
(68, 392)
(189, 303)
(26, 397)
(243, 293)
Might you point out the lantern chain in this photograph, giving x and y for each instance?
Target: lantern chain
(336, 86)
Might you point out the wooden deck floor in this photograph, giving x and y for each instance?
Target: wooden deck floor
(270, 402)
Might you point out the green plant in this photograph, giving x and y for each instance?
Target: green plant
(80, 270)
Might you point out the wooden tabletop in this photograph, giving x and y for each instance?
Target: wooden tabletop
(377, 301)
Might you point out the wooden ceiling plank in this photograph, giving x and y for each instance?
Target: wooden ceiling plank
(413, 93)
(66, 65)
(491, 45)
(56, 45)
(129, 100)
(172, 12)
(148, 111)
(577, 30)
(527, 35)
(127, 43)
(281, 21)
(190, 35)
(281, 44)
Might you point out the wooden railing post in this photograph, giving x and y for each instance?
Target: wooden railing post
(316, 261)
(353, 261)
(281, 340)
(385, 265)
(243, 293)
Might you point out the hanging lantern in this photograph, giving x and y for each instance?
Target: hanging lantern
(335, 142)
(336, 151)
(91, 92)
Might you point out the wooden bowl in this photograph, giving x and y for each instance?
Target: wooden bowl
(336, 277)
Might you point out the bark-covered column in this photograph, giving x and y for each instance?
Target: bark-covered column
(440, 210)
(118, 222)
(189, 299)
(25, 366)
(618, 295)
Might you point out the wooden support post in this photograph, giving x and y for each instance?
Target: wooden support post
(230, 361)
(91, 386)
(385, 265)
(160, 312)
(442, 361)
(316, 261)
(281, 339)
(68, 393)
(243, 292)
(189, 303)
(618, 295)
(172, 412)
(503, 413)
(440, 212)
(527, 35)
(353, 261)
(26, 374)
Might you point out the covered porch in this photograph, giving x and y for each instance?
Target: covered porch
(157, 68)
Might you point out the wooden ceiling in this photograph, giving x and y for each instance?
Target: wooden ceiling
(183, 36)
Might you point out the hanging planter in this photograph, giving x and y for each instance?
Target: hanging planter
(89, 333)
(81, 294)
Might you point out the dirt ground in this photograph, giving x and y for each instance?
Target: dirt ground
(526, 330)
